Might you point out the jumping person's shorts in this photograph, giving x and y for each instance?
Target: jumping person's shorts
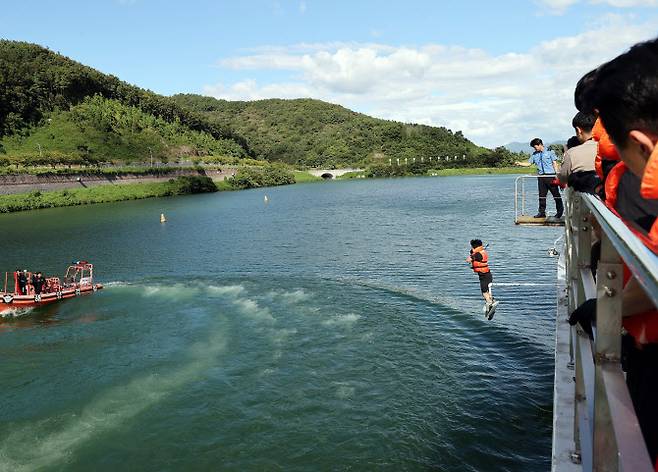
(485, 280)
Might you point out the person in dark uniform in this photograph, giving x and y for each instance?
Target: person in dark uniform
(38, 282)
(22, 281)
(479, 260)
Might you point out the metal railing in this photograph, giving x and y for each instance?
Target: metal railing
(606, 433)
(526, 197)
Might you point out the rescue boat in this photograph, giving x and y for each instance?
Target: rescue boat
(78, 280)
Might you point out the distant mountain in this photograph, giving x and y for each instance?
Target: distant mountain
(517, 146)
(525, 148)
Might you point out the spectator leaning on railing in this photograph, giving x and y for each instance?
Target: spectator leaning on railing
(577, 169)
(624, 92)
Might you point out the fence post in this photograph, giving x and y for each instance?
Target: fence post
(584, 246)
(607, 348)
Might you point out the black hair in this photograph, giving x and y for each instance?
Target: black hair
(535, 142)
(476, 243)
(573, 141)
(583, 94)
(584, 121)
(625, 91)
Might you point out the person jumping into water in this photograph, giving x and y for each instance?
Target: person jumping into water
(479, 260)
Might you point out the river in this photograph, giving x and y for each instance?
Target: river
(335, 327)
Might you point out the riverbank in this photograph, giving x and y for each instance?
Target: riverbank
(34, 200)
(482, 170)
(58, 191)
(76, 178)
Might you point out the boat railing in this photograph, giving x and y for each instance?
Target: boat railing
(526, 198)
(605, 432)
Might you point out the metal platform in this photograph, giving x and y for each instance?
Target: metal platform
(525, 220)
(525, 199)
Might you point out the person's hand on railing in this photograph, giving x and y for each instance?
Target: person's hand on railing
(585, 314)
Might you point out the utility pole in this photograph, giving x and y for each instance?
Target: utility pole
(151, 152)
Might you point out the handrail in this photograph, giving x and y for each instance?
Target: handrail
(606, 435)
(642, 263)
(520, 196)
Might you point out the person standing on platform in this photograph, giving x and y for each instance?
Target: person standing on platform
(547, 166)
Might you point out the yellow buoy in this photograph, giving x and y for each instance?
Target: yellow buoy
(162, 218)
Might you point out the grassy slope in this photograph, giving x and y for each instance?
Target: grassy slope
(104, 194)
(315, 133)
(38, 85)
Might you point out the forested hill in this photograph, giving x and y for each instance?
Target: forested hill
(72, 112)
(56, 110)
(317, 133)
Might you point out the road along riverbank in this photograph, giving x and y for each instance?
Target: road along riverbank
(25, 183)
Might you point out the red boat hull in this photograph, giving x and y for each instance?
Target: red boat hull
(9, 301)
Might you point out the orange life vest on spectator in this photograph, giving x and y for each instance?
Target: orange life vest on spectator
(480, 267)
(606, 149)
(649, 239)
(643, 326)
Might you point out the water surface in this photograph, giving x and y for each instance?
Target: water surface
(336, 327)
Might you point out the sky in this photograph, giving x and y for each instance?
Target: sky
(499, 71)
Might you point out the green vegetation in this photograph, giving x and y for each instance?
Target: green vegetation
(302, 176)
(267, 176)
(498, 158)
(102, 130)
(47, 100)
(313, 133)
(57, 113)
(108, 171)
(482, 170)
(105, 193)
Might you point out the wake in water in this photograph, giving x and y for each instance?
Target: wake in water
(40, 445)
(50, 442)
(16, 312)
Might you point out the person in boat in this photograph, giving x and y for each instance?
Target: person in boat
(22, 281)
(624, 92)
(479, 261)
(38, 281)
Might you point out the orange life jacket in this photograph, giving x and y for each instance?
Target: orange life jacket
(480, 267)
(606, 148)
(642, 326)
(649, 239)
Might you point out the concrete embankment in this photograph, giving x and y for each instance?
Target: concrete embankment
(23, 183)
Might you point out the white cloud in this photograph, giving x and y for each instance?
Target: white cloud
(302, 7)
(628, 3)
(558, 7)
(493, 99)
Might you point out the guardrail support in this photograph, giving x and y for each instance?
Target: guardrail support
(607, 436)
(607, 349)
